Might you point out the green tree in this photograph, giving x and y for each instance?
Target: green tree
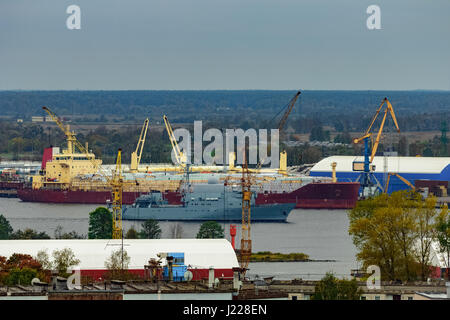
(443, 235)
(29, 234)
(64, 259)
(132, 234)
(100, 224)
(331, 288)
(60, 234)
(5, 228)
(210, 230)
(150, 230)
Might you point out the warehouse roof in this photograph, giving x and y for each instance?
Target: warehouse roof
(428, 165)
(200, 253)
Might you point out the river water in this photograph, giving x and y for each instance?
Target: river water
(322, 234)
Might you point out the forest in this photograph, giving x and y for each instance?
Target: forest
(109, 120)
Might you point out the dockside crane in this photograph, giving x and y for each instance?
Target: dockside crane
(116, 181)
(282, 122)
(367, 178)
(137, 154)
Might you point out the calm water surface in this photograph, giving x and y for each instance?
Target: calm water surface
(322, 234)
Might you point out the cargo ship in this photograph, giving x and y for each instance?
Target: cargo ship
(70, 177)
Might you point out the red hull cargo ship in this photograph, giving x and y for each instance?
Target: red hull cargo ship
(320, 195)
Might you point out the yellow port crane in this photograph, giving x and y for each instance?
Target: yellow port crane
(246, 242)
(179, 156)
(409, 184)
(137, 154)
(368, 134)
(281, 124)
(116, 182)
(368, 180)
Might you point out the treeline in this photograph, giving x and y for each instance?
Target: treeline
(344, 110)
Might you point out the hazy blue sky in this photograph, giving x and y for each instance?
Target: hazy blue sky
(225, 44)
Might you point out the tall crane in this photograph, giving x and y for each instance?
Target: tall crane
(246, 242)
(116, 182)
(180, 157)
(368, 179)
(282, 121)
(137, 154)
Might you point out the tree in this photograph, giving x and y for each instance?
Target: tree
(100, 224)
(118, 260)
(64, 259)
(150, 230)
(210, 230)
(59, 234)
(443, 235)
(392, 232)
(43, 258)
(331, 288)
(29, 234)
(425, 215)
(5, 228)
(132, 234)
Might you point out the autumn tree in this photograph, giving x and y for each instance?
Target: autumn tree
(63, 260)
(443, 235)
(394, 232)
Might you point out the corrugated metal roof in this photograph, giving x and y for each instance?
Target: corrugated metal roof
(200, 253)
(394, 164)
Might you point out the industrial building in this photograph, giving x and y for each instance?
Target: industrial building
(199, 254)
(410, 168)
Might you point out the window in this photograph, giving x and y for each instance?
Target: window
(363, 298)
(377, 297)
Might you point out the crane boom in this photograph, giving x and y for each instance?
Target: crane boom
(283, 120)
(409, 184)
(288, 111)
(176, 149)
(137, 154)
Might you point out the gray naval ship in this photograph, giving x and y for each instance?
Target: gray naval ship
(204, 202)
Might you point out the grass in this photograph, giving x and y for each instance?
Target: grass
(267, 256)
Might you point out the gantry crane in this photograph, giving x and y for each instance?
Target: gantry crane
(282, 122)
(137, 154)
(409, 184)
(368, 179)
(179, 156)
(116, 182)
(246, 242)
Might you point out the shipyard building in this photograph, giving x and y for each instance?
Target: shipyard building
(195, 255)
(410, 168)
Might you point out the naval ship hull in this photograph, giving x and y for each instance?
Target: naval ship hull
(262, 213)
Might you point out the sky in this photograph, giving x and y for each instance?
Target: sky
(224, 44)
